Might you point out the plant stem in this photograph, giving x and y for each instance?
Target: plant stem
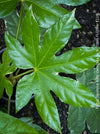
(20, 19)
(18, 29)
(9, 105)
(23, 74)
(17, 72)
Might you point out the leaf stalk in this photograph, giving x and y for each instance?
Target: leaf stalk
(20, 19)
(27, 72)
(9, 105)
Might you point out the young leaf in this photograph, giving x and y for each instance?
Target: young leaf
(12, 125)
(7, 6)
(91, 116)
(6, 68)
(47, 66)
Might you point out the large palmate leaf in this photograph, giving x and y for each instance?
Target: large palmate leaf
(47, 12)
(12, 125)
(45, 67)
(89, 115)
(6, 68)
(7, 6)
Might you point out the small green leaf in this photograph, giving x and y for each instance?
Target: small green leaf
(12, 125)
(7, 67)
(8, 86)
(7, 6)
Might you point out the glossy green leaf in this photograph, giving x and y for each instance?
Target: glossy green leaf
(6, 68)
(7, 6)
(77, 60)
(78, 116)
(47, 67)
(93, 120)
(50, 3)
(24, 56)
(31, 42)
(76, 122)
(11, 23)
(8, 86)
(71, 2)
(29, 120)
(5, 84)
(12, 125)
(89, 115)
(47, 13)
(45, 105)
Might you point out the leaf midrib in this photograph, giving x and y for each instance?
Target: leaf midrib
(42, 90)
(44, 56)
(60, 30)
(51, 79)
(34, 48)
(62, 85)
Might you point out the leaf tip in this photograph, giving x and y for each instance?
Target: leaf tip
(30, 8)
(73, 11)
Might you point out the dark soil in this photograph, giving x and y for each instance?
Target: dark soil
(86, 15)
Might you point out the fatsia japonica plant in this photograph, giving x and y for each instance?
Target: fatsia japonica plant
(33, 38)
(90, 78)
(44, 67)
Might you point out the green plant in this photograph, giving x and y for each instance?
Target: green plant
(90, 78)
(38, 56)
(13, 125)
